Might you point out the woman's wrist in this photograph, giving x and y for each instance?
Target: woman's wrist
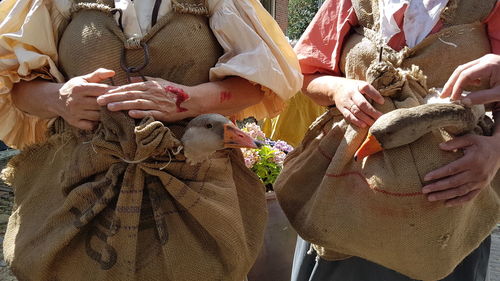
(225, 97)
(187, 99)
(320, 88)
(55, 104)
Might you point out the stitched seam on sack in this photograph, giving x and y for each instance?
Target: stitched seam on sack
(374, 188)
(328, 157)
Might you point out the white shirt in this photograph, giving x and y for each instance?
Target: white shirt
(136, 19)
(420, 17)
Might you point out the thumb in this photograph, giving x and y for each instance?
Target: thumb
(484, 96)
(99, 75)
(457, 143)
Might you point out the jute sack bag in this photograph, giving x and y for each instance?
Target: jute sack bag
(374, 208)
(120, 204)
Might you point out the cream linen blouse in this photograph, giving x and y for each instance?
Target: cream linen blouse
(254, 48)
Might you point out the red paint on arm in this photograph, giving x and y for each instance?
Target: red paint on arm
(181, 97)
(225, 96)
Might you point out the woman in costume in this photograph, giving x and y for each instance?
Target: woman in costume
(336, 60)
(115, 199)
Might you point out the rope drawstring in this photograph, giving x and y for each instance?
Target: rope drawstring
(174, 152)
(179, 149)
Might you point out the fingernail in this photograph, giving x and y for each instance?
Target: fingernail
(426, 190)
(428, 177)
(432, 198)
(443, 145)
(111, 106)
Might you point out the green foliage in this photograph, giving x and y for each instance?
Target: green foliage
(266, 168)
(300, 14)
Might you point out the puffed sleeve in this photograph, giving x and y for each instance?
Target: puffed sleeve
(255, 49)
(28, 50)
(319, 47)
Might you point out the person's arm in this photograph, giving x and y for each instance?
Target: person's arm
(461, 180)
(319, 50)
(347, 94)
(167, 101)
(472, 73)
(74, 100)
(38, 97)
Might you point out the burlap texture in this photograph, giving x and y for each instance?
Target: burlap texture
(122, 206)
(181, 46)
(117, 204)
(374, 208)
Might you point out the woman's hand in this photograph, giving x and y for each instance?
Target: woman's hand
(161, 99)
(351, 102)
(461, 180)
(77, 101)
(472, 73)
(350, 97)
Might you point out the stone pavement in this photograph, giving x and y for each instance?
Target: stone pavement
(6, 205)
(495, 256)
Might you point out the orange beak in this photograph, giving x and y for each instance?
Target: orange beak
(236, 138)
(370, 146)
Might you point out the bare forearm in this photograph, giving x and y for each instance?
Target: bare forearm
(36, 97)
(226, 97)
(320, 87)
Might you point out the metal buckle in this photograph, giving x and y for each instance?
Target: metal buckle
(134, 69)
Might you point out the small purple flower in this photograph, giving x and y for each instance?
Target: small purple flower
(270, 142)
(283, 146)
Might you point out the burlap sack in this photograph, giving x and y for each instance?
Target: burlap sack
(375, 209)
(122, 206)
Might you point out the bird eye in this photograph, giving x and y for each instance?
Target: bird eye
(209, 126)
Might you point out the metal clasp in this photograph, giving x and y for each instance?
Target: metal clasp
(134, 69)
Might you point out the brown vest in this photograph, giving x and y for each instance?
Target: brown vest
(462, 39)
(180, 47)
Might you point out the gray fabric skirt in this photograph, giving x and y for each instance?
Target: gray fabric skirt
(309, 267)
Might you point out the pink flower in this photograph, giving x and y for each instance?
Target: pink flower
(254, 131)
(251, 157)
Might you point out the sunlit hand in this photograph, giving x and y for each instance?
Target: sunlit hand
(351, 102)
(470, 74)
(77, 98)
(161, 99)
(461, 180)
